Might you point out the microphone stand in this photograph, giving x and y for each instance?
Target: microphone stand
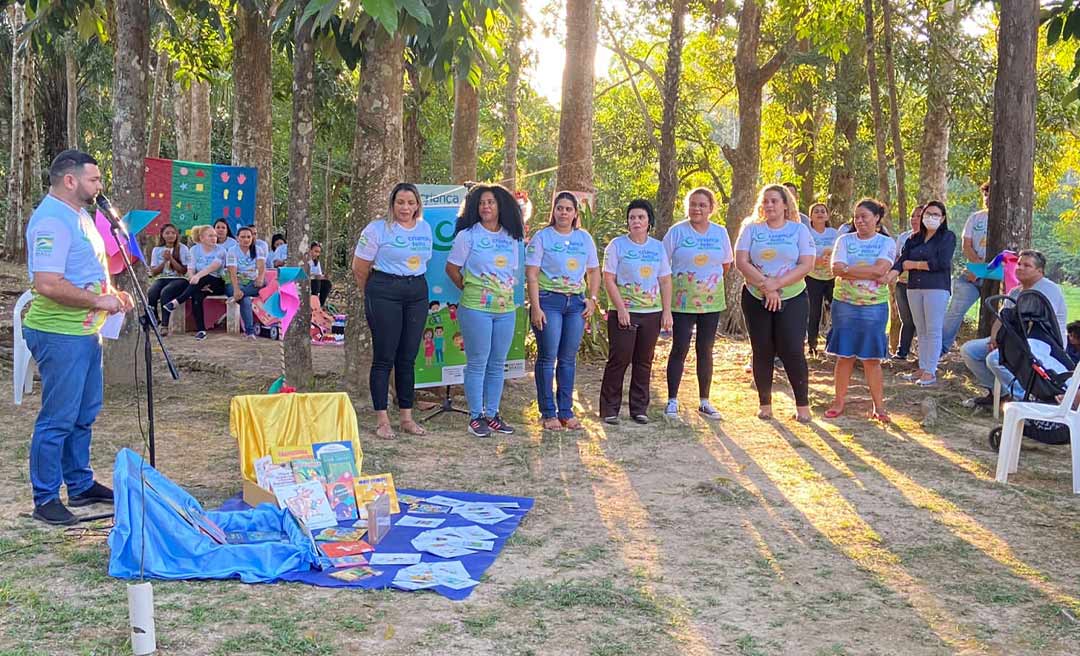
(148, 325)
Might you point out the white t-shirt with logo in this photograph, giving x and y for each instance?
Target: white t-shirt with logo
(975, 230)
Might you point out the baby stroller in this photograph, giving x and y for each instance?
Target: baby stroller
(1029, 343)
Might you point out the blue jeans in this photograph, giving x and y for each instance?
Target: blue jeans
(246, 315)
(556, 352)
(71, 396)
(487, 338)
(927, 311)
(984, 365)
(964, 294)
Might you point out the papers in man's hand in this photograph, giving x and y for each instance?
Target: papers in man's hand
(113, 323)
(428, 575)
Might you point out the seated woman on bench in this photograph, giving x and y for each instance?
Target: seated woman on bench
(204, 277)
(247, 274)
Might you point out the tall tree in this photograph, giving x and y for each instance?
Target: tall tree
(669, 165)
(377, 165)
(20, 185)
(466, 126)
(415, 95)
(848, 85)
(298, 369)
(130, 94)
(875, 103)
(894, 115)
(71, 88)
(513, 76)
(252, 104)
(576, 118)
(941, 25)
(1012, 154)
(162, 86)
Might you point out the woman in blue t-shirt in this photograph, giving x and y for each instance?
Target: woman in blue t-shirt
(247, 275)
(560, 265)
(900, 297)
(204, 277)
(279, 251)
(389, 264)
(224, 232)
(774, 252)
(168, 261)
(483, 263)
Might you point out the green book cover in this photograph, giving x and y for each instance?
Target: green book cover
(308, 469)
(336, 463)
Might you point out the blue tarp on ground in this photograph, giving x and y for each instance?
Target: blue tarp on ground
(174, 549)
(400, 537)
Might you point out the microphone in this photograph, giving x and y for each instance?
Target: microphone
(111, 214)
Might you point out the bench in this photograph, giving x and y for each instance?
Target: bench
(178, 320)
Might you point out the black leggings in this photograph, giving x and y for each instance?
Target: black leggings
(682, 327)
(208, 286)
(164, 290)
(820, 293)
(780, 334)
(396, 308)
(321, 288)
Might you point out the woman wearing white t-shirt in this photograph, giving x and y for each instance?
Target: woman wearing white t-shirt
(168, 261)
(774, 252)
(320, 284)
(204, 277)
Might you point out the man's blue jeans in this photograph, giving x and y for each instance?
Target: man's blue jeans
(71, 396)
(964, 294)
(984, 365)
(246, 314)
(487, 338)
(556, 352)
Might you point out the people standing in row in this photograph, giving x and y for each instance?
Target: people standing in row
(169, 262)
(966, 287)
(320, 284)
(860, 311)
(562, 273)
(907, 322)
(247, 275)
(389, 264)
(699, 252)
(204, 277)
(774, 253)
(820, 281)
(483, 263)
(927, 259)
(637, 278)
(225, 237)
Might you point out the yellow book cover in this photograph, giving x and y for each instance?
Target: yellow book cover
(369, 487)
(286, 453)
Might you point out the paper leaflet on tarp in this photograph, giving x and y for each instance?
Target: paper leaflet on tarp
(154, 533)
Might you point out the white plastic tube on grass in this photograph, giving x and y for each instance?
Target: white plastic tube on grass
(141, 614)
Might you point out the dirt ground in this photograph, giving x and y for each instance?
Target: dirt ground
(691, 537)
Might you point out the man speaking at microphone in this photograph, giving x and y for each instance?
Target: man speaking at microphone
(72, 297)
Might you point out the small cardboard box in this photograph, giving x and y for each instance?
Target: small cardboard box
(254, 495)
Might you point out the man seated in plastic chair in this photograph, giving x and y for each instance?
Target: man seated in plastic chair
(69, 277)
(981, 356)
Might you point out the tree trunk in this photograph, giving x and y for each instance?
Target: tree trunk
(465, 130)
(252, 105)
(412, 136)
(131, 62)
(934, 159)
(849, 85)
(377, 166)
(806, 120)
(513, 76)
(161, 85)
(894, 120)
(20, 183)
(193, 123)
(745, 157)
(875, 105)
(669, 165)
(298, 370)
(71, 77)
(1012, 152)
(51, 107)
(576, 117)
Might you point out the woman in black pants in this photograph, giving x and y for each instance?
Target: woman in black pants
(820, 281)
(203, 279)
(169, 262)
(774, 253)
(389, 265)
(320, 284)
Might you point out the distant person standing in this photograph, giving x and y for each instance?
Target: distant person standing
(966, 288)
(69, 277)
(820, 280)
(900, 295)
(794, 189)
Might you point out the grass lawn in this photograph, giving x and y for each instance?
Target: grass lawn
(1072, 301)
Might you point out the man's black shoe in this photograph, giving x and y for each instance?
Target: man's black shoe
(97, 493)
(54, 512)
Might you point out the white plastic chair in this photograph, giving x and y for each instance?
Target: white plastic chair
(24, 368)
(1012, 430)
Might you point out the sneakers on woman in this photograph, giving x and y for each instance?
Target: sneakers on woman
(478, 427)
(710, 412)
(672, 409)
(201, 335)
(497, 424)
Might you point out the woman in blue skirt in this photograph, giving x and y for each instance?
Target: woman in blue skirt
(861, 261)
